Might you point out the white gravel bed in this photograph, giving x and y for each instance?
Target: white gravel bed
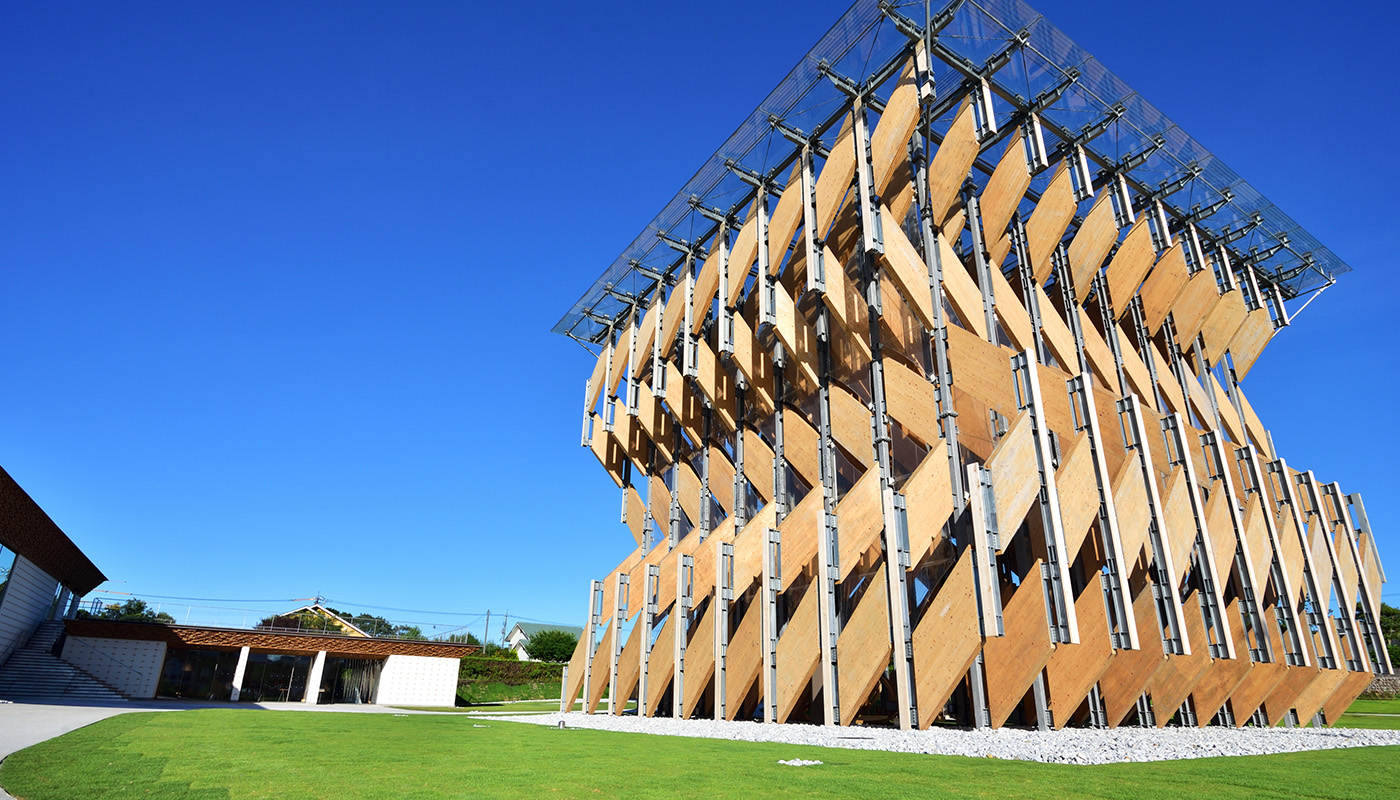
(1069, 746)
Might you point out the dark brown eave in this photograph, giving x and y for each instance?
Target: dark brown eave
(26, 529)
(193, 637)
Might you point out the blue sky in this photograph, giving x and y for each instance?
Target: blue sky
(279, 279)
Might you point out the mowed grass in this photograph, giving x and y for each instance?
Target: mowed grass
(505, 708)
(218, 754)
(1360, 715)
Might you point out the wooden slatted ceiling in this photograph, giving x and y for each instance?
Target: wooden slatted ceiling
(1091, 243)
(1129, 266)
(1162, 287)
(949, 168)
(1049, 221)
(946, 640)
(1005, 189)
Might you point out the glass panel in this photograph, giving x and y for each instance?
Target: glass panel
(198, 674)
(7, 564)
(350, 680)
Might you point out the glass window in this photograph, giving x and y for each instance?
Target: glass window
(274, 678)
(349, 680)
(198, 674)
(7, 565)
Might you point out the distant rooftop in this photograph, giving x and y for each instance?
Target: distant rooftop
(1023, 57)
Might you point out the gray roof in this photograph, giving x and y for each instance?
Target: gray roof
(532, 628)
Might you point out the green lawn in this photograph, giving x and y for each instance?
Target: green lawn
(1374, 714)
(527, 705)
(475, 693)
(232, 754)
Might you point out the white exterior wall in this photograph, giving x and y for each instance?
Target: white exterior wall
(28, 598)
(418, 681)
(131, 667)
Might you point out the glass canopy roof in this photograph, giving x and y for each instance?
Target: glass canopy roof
(1023, 56)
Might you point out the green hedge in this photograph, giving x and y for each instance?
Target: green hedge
(511, 672)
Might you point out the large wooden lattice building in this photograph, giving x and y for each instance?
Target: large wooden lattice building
(923, 399)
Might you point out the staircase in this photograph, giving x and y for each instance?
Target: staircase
(33, 671)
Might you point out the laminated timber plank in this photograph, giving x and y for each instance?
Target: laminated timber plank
(798, 652)
(1319, 690)
(861, 519)
(574, 685)
(645, 336)
(1180, 535)
(1130, 265)
(748, 548)
(662, 664)
(1172, 391)
(660, 498)
(741, 257)
(1091, 243)
(619, 363)
(1223, 542)
(928, 496)
(688, 490)
(910, 399)
(636, 513)
(1099, 354)
(1291, 551)
(906, 268)
(1134, 516)
(946, 640)
(758, 464)
(1224, 676)
(672, 317)
(850, 426)
(1057, 334)
(962, 292)
(902, 331)
(1013, 661)
(608, 450)
(982, 370)
(1191, 306)
(1079, 494)
(1015, 476)
(1250, 340)
(1322, 565)
(1221, 324)
(1139, 376)
(1162, 287)
(1014, 319)
(706, 287)
(715, 383)
(753, 363)
(602, 658)
(800, 446)
(863, 649)
(655, 421)
(1261, 681)
(1004, 190)
(950, 165)
(596, 378)
(1288, 693)
(629, 669)
(847, 307)
(1073, 669)
(1345, 694)
(1172, 684)
(889, 142)
(700, 659)
(722, 479)
(1133, 670)
(799, 530)
(835, 177)
(1261, 550)
(1048, 223)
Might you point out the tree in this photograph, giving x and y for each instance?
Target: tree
(408, 632)
(462, 638)
(132, 610)
(551, 645)
(1390, 630)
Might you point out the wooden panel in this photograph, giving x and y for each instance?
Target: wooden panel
(655, 421)
(850, 426)
(1261, 681)
(1139, 377)
(800, 530)
(1057, 334)
(646, 335)
(907, 269)
(748, 548)
(860, 519)
(1048, 222)
(1251, 339)
(629, 669)
(911, 400)
(847, 307)
(1346, 576)
(863, 650)
(758, 464)
(1130, 501)
(705, 555)
(595, 380)
(1099, 354)
(1255, 426)
(1345, 695)
(752, 360)
(835, 177)
(1222, 540)
(1291, 550)
(671, 319)
(1091, 243)
(608, 451)
(1162, 287)
(1013, 661)
(1222, 323)
(946, 640)
(1015, 476)
(1174, 681)
(1321, 562)
(636, 512)
(602, 663)
(715, 382)
(889, 142)
(1014, 319)
(798, 651)
(1073, 669)
(928, 496)
(1229, 418)
(574, 686)
(688, 490)
(1166, 378)
(1191, 306)
(1261, 550)
(1130, 265)
(662, 664)
(722, 479)
(659, 498)
(950, 166)
(1079, 493)
(1285, 696)
(699, 660)
(706, 286)
(983, 370)
(1134, 669)
(1225, 674)
(1318, 691)
(619, 365)
(962, 293)
(1180, 535)
(741, 257)
(783, 222)
(1005, 189)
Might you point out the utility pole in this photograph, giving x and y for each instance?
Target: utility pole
(486, 633)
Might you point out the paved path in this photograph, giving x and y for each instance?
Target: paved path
(24, 723)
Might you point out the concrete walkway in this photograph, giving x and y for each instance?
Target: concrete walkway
(24, 723)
